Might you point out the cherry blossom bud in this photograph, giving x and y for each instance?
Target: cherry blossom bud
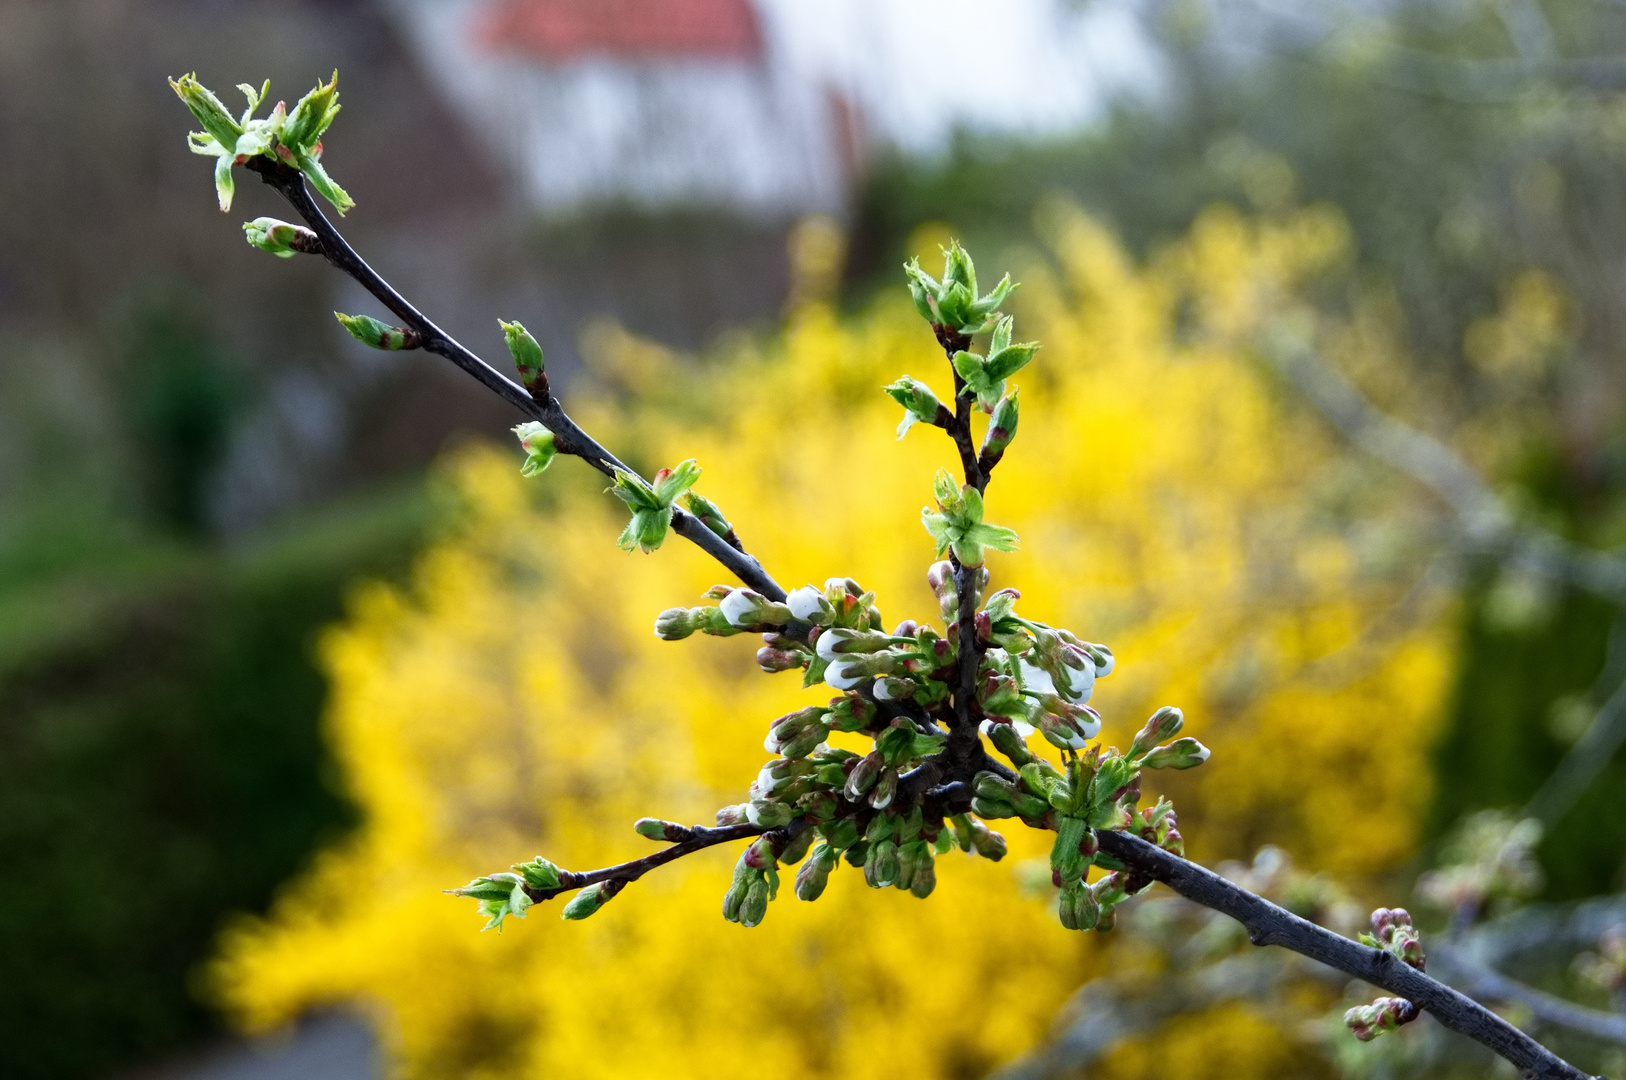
(864, 775)
(774, 660)
(885, 789)
(1008, 741)
(892, 688)
(749, 610)
(881, 864)
(734, 815)
(1180, 754)
(796, 734)
(1164, 724)
(837, 642)
(851, 712)
(814, 874)
(1385, 1014)
(808, 604)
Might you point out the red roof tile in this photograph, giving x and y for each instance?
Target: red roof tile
(567, 29)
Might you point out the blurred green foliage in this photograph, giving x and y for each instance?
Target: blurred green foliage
(159, 770)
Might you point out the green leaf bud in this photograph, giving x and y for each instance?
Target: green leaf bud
(708, 513)
(539, 446)
(589, 900)
(310, 118)
(210, 112)
(527, 353)
(958, 267)
(1001, 430)
(280, 238)
(1181, 754)
(539, 873)
(667, 831)
(923, 289)
(380, 335)
(920, 405)
(1067, 859)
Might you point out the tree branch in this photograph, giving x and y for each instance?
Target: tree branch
(700, 838)
(569, 438)
(1484, 519)
(1268, 924)
(1481, 981)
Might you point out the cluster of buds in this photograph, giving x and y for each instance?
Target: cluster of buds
(293, 138)
(502, 895)
(1393, 932)
(1099, 789)
(1367, 1022)
(953, 303)
(894, 810)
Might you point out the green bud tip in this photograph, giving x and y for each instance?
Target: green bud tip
(380, 335)
(527, 354)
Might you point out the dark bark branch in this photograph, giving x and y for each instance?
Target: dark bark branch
(1268, 924)
(569, 438)
(699, 839)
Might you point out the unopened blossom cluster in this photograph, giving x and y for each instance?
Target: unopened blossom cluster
(820, 805)
(980, 674)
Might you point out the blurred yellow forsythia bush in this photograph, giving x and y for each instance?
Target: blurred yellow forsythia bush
(514, 699)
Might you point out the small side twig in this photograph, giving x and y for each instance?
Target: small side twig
(569, 437)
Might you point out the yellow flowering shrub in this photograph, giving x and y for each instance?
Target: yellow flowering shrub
(1171, 502)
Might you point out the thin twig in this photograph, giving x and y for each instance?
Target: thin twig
(1268, 924)
(1485, 520)
(569, 438)
(1487, 984)
(700, 838)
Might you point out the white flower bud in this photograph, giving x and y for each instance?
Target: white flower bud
(843, 672)
(1036, 678)
(809, 605)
